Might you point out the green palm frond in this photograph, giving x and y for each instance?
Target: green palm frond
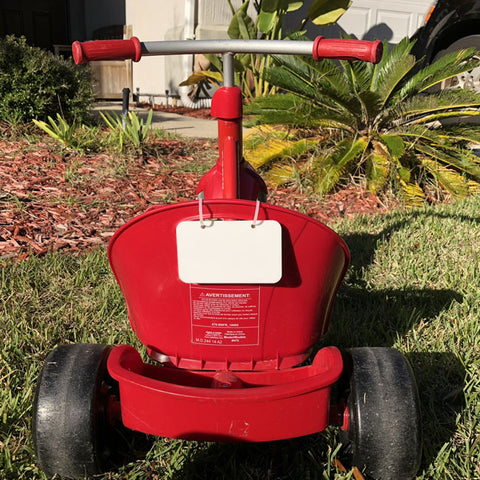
(446, 67)
(380, 121)
(469, 164)
(286, 109)
(413, 134)
(437, 117)
(358, 74)
(333, 166)
(324, 72)
(393, 70)
(449, 179)
(457, 101)
(289, 109)
(280, 174)
(378, 167)
(388, 61)
(274, 103)
(371, 105)
(412, 193)
(274, 145)
(465, 134)
(284, 78)
(324, 84)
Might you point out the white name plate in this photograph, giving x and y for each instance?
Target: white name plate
(224, 252)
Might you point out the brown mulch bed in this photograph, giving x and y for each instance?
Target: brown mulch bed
(52, 201)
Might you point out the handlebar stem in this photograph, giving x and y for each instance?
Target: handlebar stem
(228, 70)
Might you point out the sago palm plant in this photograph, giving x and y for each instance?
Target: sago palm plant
(379, 121)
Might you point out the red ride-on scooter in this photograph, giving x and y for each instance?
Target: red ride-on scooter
(229, 295)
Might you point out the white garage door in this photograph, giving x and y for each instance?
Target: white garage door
(386, 20)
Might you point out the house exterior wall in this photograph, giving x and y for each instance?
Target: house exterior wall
(372, 19)
(151, 20)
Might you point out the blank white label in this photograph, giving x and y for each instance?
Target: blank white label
(229, 252)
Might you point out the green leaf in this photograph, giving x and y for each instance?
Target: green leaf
(206, 75)
(215, 60)
(448, 66)
(266, 21)
(280, 5)
(274, 148)
(44, 126)
(149, 120)
(412, 193)
(395, 145)
(60, 130)
(242, 26)
(331, 168)
(391, 74)
(327, 12)
(294, 5)
(450, 180)
(404, 174)
(378, 167)
(280, 174)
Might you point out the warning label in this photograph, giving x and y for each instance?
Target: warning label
(225, 317)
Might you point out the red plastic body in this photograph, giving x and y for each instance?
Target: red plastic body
(221, 406)
(231, 177)
(238, 379)
(278, 324)
(345, 49)
(84, 52)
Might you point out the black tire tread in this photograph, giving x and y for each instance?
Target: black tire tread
(64, 413)
(385, 432)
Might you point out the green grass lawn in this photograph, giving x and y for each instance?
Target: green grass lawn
(414, 284)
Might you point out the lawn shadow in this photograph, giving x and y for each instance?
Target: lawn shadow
(378, 317)
(440, 380)
(363, 245)
(364, 316)
(292, 459)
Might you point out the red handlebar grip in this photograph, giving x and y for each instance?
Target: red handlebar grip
(345, 49)
(107, 50)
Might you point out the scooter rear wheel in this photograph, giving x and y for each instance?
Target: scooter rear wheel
(383, 438)
(73, 429)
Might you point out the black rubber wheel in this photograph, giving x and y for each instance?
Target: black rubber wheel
(74, 412)
(383, 439)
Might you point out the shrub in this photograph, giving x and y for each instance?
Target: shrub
(380, 122)
(35, 84)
